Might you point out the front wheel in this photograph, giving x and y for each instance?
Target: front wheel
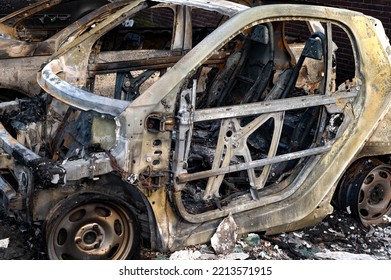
(92, 226)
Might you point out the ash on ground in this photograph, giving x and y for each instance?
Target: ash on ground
(338, 237)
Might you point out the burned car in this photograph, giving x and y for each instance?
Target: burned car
(249, 123)
(30, 35)
(36, 22)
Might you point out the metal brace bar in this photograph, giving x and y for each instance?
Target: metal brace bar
(253, 164)
(273, 106)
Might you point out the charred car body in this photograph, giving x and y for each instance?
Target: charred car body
(30, 35)
(28, 38)
(249, 123)
(35, 22)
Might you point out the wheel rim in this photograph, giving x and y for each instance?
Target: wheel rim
(374, 199)
(92, 230)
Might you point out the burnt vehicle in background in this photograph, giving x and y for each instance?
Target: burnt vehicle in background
(30, 35)
(250, 122)
(39, 21)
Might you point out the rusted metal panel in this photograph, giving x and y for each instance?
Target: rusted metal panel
(20, 74)
(79, 98)
(379, 143)
(14, 18)
(271, 106)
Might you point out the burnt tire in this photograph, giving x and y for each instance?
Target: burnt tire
(92, 226)
(365, 192)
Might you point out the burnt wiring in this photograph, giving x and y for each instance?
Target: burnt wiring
(143, 181)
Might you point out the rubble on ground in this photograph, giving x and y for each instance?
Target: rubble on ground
(224, 240)
(338, 237)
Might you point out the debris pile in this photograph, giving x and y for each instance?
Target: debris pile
(20, 242)
(338, 237)
(224, 240)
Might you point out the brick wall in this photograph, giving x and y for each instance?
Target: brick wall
(380, 9)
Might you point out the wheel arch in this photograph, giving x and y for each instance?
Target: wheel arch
(112, 186)
(144, 212)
